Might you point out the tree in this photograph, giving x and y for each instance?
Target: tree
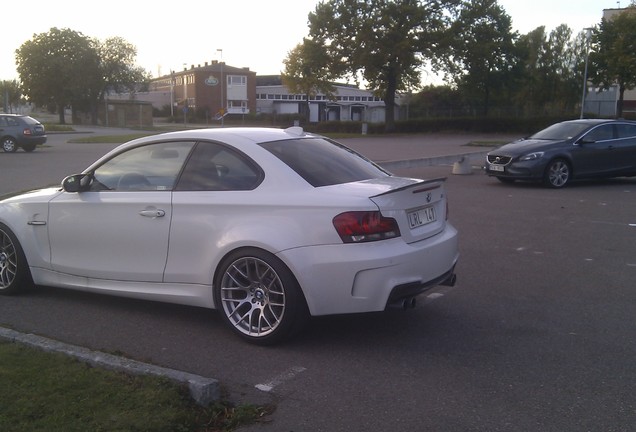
(383, 42)
(116, 71)
(613, 57)
(479, 50)
(436, 101)
(307, 71)
(10, 94)
(65, 68)
(548, 72)
(51, 65)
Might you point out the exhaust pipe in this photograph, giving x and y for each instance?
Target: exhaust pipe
(404, 304)
(451, 281)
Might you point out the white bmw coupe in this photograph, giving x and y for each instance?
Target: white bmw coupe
(269, 226)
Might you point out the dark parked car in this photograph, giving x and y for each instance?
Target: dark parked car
(20, 131)
(575, 149)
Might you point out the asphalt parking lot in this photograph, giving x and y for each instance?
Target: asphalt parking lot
(538, 334)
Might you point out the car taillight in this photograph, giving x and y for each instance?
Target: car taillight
(27, 132)
(365, 226)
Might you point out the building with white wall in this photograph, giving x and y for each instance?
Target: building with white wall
(350, 103)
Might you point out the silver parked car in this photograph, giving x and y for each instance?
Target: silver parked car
(268, 226)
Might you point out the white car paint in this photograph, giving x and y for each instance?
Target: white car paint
(166, 245)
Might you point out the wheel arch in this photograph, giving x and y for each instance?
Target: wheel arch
(245, 248)
(556, 158)
(564, 157)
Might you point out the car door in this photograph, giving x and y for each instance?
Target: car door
(119, 229)
(624, 158)
(213, 188)
(594, 155)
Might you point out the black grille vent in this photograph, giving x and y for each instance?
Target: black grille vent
(498, 160)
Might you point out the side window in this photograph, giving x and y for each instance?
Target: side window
(152, 167)
(601, 133)
(625, 130)
(215, 167)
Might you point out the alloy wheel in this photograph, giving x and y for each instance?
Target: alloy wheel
(557, 174)
(252, 296)
(8, 261)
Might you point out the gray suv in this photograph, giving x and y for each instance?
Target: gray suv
(20, 131)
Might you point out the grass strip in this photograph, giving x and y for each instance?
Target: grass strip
(41, 391)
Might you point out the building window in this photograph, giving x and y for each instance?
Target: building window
(236, 80)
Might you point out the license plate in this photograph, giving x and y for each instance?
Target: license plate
(421, 217)
(496, 168)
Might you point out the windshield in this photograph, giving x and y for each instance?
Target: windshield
(561, 131)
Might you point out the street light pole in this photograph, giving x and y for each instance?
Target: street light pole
(171, 95)
(220, 50)
(185, 95)
(588, 34)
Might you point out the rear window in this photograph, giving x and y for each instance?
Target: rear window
(30, 120)
(322, 163)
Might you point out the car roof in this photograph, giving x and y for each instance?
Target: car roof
(241, 138)
(599, 121)
(252, 134)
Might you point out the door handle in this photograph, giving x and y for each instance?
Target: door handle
(154, 213)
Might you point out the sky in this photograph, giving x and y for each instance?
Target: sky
(257, 34)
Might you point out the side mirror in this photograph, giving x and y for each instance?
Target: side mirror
(77, 182)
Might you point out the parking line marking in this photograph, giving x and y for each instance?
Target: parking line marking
(280, 379)
(434, 296)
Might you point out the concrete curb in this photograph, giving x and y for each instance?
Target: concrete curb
(203, 390)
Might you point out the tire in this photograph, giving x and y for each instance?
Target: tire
(259, 297)
(557, 174)
(9, 145)
(28, 147)
(14, 270)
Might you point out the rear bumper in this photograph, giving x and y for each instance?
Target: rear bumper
(31, 140)
(409, 290)
(351, 278)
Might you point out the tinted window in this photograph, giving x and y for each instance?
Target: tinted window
(12, 121)
(625, 130)
(601, 133)
(215, 167)
(149, 167)
(322, 163)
